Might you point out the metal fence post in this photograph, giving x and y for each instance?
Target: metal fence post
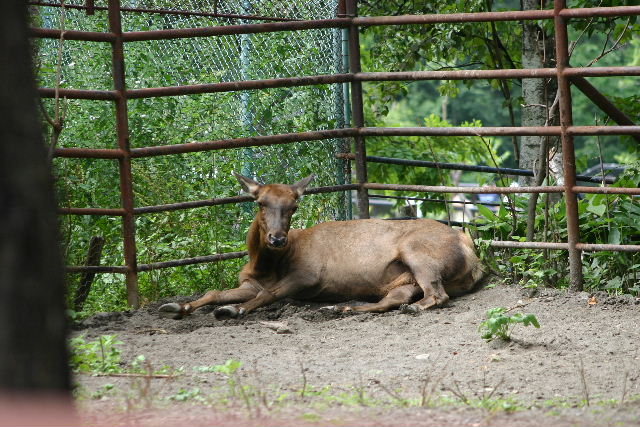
(568, 149)
(126, 179)
(358, 111)
(343, 114)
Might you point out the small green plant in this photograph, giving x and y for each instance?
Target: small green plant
(98, 356)
(184, 395)
(141, 365)
(499, 323)
(102, 392)
(481, 394)
(311, 417)
(228, 368)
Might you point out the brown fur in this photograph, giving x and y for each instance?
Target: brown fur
(389, 263)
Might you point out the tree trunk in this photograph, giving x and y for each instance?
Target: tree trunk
(538, 94)
(537, 52)
(33, 355)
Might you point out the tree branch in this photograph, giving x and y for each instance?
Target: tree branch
(615, 46)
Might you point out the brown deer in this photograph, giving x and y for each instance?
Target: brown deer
(389, 263)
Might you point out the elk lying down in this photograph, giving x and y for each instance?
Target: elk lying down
(389, 263)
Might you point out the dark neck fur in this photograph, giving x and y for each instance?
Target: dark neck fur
(263, 258)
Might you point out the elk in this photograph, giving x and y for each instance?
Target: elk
(416, 264)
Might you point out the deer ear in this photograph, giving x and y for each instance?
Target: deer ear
(301, 185)
(248, 185)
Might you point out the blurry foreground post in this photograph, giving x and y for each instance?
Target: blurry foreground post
(34, 370)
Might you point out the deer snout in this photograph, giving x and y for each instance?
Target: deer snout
(278, 241)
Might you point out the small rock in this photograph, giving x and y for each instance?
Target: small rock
(584, 296)
(279, 327)
(422, 356)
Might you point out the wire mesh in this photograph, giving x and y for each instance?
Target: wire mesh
(192, 119)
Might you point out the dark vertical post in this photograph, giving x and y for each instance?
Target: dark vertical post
(358, 111)
(568, 151)
(126, 181)
(90, 7)
(343, 115)
(34, 362)
(246, 48)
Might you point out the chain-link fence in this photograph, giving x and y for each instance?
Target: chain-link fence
(190, 119)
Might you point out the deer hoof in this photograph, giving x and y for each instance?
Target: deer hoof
(331, 308)
(409, 309)
(172, 310)
(226, 312)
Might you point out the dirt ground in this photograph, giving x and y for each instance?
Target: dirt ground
(323, 368)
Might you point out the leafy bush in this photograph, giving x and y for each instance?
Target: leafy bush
(604, 218)
(445, 149)
(98, 356)
(102, 356)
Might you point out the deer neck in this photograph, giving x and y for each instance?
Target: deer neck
(262, 257)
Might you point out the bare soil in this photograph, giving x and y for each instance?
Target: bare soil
(323, 368)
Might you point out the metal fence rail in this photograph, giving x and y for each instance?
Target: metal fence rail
(347, 19)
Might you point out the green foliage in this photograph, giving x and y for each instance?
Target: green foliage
(447, 149)
(437, 46)
(227, 368)
(613, 219)
(491, 46)
(499, 324)
(604, 219)
(184, 395)
(141, 365)
(98, 356)
(103, 391)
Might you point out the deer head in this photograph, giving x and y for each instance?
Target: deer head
(277, 203)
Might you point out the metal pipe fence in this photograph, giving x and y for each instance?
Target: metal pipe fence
(346, 18)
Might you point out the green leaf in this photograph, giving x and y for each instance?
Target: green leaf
(530, 319)
(487, 213)
(614, 236)
(597, 209)
(615, 283)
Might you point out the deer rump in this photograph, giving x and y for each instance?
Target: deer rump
(389, 263)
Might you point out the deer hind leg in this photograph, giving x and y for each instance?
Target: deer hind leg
(243, 293)
(429, 278)
(402, 290)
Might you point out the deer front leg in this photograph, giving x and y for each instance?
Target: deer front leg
(244, 292)
(286, 287)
